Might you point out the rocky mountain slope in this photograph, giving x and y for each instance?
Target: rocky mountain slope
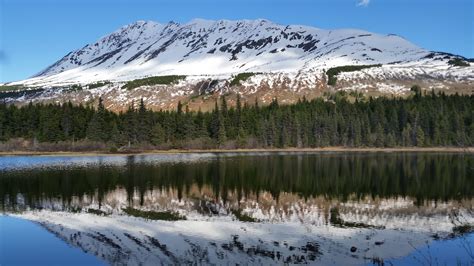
(284, 61)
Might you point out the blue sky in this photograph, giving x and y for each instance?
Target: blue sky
(36, 33)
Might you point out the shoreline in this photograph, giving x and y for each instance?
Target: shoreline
(469, 150)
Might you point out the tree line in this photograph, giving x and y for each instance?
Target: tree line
(429, 120)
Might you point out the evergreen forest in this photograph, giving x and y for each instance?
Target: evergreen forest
(432, 120)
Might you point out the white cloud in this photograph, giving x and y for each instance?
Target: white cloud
(363, 3)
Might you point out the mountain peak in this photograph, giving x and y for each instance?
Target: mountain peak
(140, 24)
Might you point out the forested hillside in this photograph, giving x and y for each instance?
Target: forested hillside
(431, 120)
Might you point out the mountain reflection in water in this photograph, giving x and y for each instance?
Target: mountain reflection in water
(375, 199)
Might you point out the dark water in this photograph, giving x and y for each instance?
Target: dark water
(216, 185)
(438, 177)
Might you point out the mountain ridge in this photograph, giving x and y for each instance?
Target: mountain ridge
(226, 47)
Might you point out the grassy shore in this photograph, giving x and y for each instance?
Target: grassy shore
(174, 151)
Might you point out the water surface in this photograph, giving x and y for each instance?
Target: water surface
(25, 243)
(238, 207)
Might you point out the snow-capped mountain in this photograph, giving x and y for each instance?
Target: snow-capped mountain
(223, 47)
(285, 57)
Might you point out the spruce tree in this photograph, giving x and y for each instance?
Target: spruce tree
(420, 137)
(407, 136)
(144, 123)
(215, 123)
(97, 128)
(157, 134)
(221, 135)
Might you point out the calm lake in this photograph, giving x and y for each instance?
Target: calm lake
(247, 208)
